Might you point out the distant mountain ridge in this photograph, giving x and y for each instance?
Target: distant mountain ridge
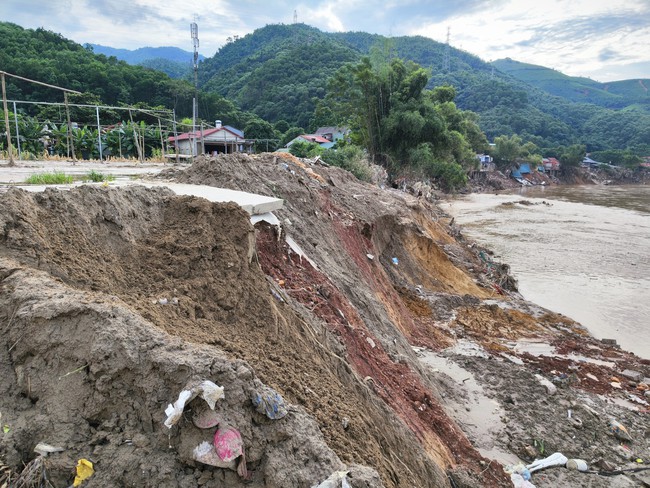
(142, 54)
(615, 94)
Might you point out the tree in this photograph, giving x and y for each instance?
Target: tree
(571, 158)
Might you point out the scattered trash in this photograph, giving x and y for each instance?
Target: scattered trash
(269, 402)
(336, 480)
(228, 443)
(395, 261)
(162, 301)
(578, 465)
(519, 482)
(611, 342)
(209, 391)
(5, 428)
(619, 431)
(591, 377)
(206, 418)
(371, 342)
(550, 387)
(555, 459)
(206, 453)
(345, 422)
(44, 449)
(518, 469)
(370, 256)
(84, 471)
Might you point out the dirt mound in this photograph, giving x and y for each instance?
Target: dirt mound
(189, 268)
(113, 301)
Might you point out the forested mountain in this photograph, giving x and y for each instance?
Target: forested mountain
(140, 55)
(48, 57)
(173, 61)
(615, 94)
(281, 72)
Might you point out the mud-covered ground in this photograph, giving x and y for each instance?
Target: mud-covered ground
(403, 351)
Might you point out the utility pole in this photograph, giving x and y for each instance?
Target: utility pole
(194, 30)
(7, 130)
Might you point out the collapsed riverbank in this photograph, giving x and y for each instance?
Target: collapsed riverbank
(349, 305)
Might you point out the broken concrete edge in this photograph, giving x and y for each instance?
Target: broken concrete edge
(252, 203)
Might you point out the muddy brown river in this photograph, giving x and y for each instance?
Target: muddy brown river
(582, 251)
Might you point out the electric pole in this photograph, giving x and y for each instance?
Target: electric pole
(194, 30)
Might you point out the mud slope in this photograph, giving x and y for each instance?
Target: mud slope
(113, 300)
(351, 232)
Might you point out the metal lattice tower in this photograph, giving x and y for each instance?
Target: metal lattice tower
(446, 55)
(295, 16)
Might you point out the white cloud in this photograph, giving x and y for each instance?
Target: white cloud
(570, 36)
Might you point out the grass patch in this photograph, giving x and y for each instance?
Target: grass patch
(97, 177)
(54, 178)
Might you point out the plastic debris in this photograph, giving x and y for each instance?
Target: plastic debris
(519, 482)
(395, 261)
(518, 469)
(206, 453)
(555, 459)
(370, 256)
(337, 479)
(578, 465)
(206, 418)
(84, 471)
(619, 431)
(269, 402)
(228, 443)
(209, 391)
(44, 449)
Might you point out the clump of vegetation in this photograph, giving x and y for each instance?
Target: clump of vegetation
(97, 177)
(351, 158)
(49, 178)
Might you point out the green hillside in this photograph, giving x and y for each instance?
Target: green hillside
(617, 94)
(49, 57)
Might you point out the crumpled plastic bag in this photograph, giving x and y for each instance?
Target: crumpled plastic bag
(519, 482)
(338, 479)
(228, 443)
(206, 453)
(555, 459)
(208, 390)
(84, 471)
(269, 402)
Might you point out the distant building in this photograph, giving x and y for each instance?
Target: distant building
(486, 162)
(333, 134)
(222, 139)
(316, 139)
(551, 166)
(587, 162)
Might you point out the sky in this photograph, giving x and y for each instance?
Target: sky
(604, 40)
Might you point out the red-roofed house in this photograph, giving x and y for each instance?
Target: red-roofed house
(220, 139)
(312, 138)
(551, 166)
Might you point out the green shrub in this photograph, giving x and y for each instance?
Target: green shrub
(98, 177)
(54, 178)
(351, 158)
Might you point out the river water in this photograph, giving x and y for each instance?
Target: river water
(583, 251)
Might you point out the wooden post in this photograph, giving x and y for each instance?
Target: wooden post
(67, 113)
(99, 134)
(136, 139)
(8, 131)
(176, 148)
(162, 143)
(202, 141)
(20, 152)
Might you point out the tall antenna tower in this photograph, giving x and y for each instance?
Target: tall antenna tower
(295, 16)
(194, 31)
(445, 58)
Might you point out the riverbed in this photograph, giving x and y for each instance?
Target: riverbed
(582, 251)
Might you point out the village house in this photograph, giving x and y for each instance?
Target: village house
(333, 134)
(220, 139)
(316, 139)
